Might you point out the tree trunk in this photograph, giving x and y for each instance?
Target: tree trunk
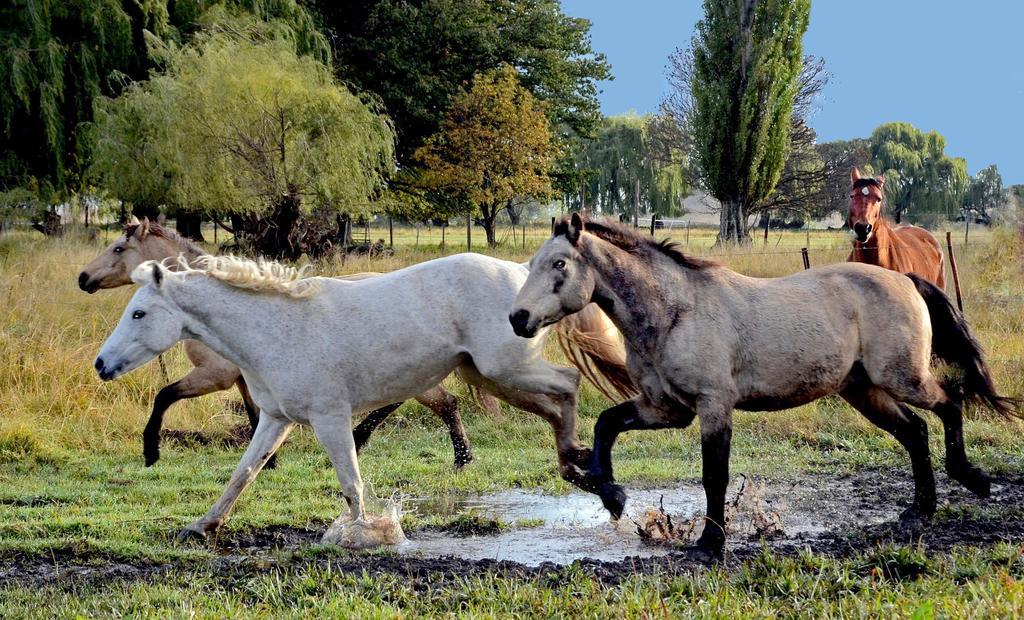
(488, 215)
(732, 224)
(189, 225)
(280, 239)
(142, 210)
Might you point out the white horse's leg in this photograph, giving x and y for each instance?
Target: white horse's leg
(334, 432)
(269, 436)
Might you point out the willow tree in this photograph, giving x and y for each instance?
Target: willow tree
(919, 177)
(251, 129)
(494, 149)
(55, 58)
(626, 165)
(747, 60)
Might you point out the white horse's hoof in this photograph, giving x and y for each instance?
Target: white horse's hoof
(377, 531)
(194, 532)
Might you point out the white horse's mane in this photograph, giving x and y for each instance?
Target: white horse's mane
(254, 275)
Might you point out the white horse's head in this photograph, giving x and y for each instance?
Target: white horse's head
(150, 325)
(560, 282)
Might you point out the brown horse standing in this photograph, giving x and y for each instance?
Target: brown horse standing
(907, 249)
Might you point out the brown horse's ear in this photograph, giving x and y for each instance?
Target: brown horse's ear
(881, 180)
(143, 228)
(855, 174)
(575, 228)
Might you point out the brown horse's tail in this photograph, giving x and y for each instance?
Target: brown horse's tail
(594, 346)
(953, 343)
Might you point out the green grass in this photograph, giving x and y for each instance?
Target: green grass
(72, 481)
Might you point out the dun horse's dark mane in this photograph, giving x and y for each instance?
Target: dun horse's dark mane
(635, 242)
(166, 233)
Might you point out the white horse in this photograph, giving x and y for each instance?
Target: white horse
(318, 350)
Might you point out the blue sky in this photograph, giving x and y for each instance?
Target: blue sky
(956, 67)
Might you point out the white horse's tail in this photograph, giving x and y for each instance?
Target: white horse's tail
(593, 344)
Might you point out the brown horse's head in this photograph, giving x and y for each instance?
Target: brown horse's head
(865, 204)
(113, 267)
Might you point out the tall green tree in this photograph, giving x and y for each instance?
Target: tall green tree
(419, 55)
(494, 149)
(747, 60)
(919, 177)
(984, 194)
(246, 128)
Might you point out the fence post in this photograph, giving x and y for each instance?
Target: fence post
(687, 233)
(807, 259)
(653, 220)
(967, 230)
(952, 267)
(524, 236)
(443, 228)
(391, 233)
(552, 224)
(417, 237)
(469, 232)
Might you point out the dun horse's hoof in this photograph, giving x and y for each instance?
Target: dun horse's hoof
(976, 481)
(711, 543)
(614, 499)
(914, 520)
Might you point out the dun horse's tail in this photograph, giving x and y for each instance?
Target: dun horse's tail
(593, 345)
(953, 343)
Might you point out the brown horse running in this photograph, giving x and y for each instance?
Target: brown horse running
(703, 340)
(906, 249)
(591, 343)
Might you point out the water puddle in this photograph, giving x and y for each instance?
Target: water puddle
(561, 529)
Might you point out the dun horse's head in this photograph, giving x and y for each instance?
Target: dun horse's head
(865, 204)
(560, 282)
(150, 325)
(114, 266)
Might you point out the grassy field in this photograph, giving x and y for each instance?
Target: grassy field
(73, 488)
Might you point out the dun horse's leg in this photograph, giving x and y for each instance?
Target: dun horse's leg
(715, 443)
(446, 406)
(929, 394)
(252, 412)
(362, 432)
(958, 466)
(631, 415)
(911, 431)
(199, 382)
(270, 434)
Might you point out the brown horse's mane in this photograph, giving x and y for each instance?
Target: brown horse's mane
(635, 242)
(166, 233)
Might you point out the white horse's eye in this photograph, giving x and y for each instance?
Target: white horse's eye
(118, 250)
(559, 265)
(138, 314)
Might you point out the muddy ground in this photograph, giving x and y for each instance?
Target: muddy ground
(836, 516)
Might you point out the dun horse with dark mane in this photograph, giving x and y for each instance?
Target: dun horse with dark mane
(703, 340)
(906, 249)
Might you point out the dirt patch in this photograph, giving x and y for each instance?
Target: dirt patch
(835, 516)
